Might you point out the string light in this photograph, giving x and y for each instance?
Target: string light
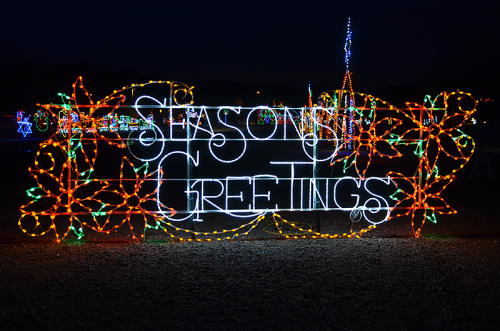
(357, 128)
(41, 120)
(24, 124)
(72, 177)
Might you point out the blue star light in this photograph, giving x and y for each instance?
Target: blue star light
(25, 127)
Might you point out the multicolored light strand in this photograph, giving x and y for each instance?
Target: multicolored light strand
(70, 192)
(24, 124)
(359, 130)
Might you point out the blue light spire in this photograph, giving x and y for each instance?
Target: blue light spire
(349, 104)
(347, 47)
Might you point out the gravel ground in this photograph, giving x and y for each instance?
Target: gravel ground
(375, 283)
(448, 279)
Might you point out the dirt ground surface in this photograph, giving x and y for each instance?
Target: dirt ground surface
(375, 283)
(445, 280)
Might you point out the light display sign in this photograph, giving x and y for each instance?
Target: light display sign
(169, 163)
(220, 160)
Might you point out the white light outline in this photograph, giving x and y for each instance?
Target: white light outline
(241, 192)
(203, 109)
(172, 122)
(159, 181)
(313, 186)
(358, 184)
(268, 195)
(297, 130)
(204, 197)
(302, 193)
(316, 139)
(313, 189)
(292, 177)
(237, 111)
(386, 181)
(275, 123)
(141, 139)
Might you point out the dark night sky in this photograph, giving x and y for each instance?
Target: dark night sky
(395, 43)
